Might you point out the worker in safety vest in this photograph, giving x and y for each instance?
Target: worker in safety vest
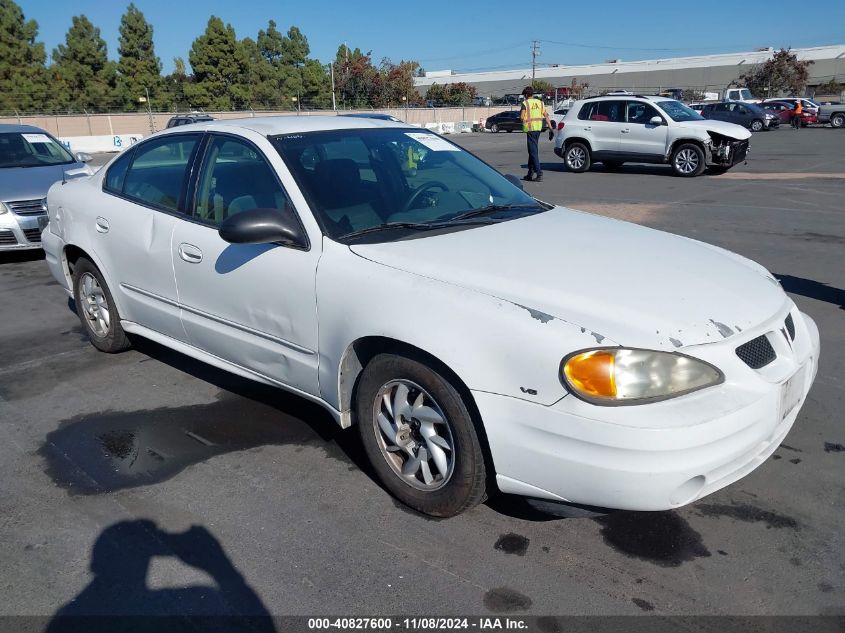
(533, 114)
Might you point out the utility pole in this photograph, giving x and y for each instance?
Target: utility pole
(334, 103)
(535, 52)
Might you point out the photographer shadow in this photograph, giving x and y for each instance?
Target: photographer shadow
(118, 598)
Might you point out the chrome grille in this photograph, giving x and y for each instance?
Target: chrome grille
(756, 353)
(7, 237)
(790, 326)
(33, 235)
(26, 207)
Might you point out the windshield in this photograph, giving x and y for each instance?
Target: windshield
(396, 178)
(677, 111)
(36, 149)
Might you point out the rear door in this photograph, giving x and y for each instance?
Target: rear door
(250, 304)
(603, 122)
(146, 188)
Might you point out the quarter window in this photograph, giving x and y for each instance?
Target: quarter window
(236, 178)
(157, 174)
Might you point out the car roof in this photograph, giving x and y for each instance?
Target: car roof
(23, 129)
(288, 124)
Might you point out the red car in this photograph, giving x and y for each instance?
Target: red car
(784, 111)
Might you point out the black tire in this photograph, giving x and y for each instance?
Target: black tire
(465, 486)
(612, 165)
(688, 160)
(756, 125)
(577, 157)
(494, 128)
(837, 120)
(113, 339)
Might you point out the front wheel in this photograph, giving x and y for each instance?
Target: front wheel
(577, 157)
(419, 436)
(96, 308)
(494, 128)
(688, 160)
(756, 125)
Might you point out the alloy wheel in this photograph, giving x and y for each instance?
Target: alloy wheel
(686, 161)
(414, 435)
(94, 304)
(576, 158)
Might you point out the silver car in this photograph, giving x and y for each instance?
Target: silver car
(30, 161)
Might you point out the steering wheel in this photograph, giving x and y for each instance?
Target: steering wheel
(421, 190)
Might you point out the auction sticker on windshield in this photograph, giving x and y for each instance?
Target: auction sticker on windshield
(433, 142)
(36, 138)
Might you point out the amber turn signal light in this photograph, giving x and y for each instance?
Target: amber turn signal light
(592, 373)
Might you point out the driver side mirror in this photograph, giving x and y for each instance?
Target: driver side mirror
(83, 157)
(655, 120)
(514, 180)
(263, 226)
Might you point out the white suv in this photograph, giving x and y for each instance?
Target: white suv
(634, 129)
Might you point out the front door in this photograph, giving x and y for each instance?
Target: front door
(250, 304)
(640, 136)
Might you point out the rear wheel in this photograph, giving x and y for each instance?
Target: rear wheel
(837, 120)
(688, 160)
(494, 128)
(96, 308)
(756, 125)
(419, 436)
(577, 157)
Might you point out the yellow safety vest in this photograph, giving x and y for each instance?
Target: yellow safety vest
(532, 115)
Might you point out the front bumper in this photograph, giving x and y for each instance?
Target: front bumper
(650, 457)
(21, 232)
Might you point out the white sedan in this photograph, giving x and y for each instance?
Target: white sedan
(480, 339)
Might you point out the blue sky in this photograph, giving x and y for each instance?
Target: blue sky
(473, 35)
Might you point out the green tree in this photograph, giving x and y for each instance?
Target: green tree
(138, 68)
(215, 61)
(355, 77)
(784, 72)
(541, 86)
(173, 86)
(23, 78)
(81, 68)
(257, 83)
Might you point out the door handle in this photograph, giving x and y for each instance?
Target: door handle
(190, 253)
(102, 225)
(626, 131)
(587, 128)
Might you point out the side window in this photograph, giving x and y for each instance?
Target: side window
(639, 112)
(614, 111)
(158, 170)
(117, 173)
(235, 177)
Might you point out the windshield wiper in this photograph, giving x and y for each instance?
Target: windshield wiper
(414, 226)
(494, 208)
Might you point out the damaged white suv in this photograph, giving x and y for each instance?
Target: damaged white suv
(614, 130)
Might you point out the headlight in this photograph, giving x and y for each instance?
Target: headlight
(44, 205)
(614, 376)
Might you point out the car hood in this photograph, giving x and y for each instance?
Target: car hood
(32, 183)
(624, 283)
(721, 127)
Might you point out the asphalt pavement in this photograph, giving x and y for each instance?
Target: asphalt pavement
(107, 461)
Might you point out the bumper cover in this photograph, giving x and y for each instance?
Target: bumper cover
(706, 441)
